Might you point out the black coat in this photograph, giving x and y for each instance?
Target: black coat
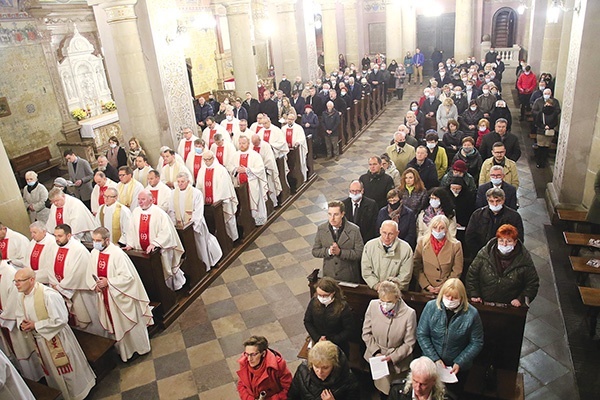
(202, 112)
(320, 320)
(377, 186)
(286, 87)
(253, 108)
(110, 172)
(298, 104)
(317, 104)
(427, 171)
(269, 107)
(464, 205)
(501, 112)
(470, 118)
(313, 120)
(331, 121)
(510, 194)
(511, 142)
(430, 106)
(242, 113)
(483, 226)
(354, 91)
(367, 214)
(407, 224)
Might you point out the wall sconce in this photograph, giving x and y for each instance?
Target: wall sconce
(522, 7)
(557, 7)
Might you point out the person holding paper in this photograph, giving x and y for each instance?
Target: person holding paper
(389, 331)
(423, 383)
(326, 376)
(450, 332)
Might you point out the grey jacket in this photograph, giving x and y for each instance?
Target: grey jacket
(345, 266)
(85, 173)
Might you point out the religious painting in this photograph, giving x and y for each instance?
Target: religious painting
(6, 3)
(4, 108)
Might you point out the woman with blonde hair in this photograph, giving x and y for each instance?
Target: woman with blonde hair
(285, 109)
(438, 256)
(445, 112)
(135, 150)
(450, 332)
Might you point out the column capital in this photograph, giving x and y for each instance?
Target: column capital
(236, 7)
(284, 6)
(116, 11)
(328, 4)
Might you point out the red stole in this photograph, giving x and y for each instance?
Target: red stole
(289, 134)
(267, 135)
(34, 259)
(4, 248)
(186, 149)
(197, 165)
(59, 216)
(243, 177)
(101, 196)
(219, 155)
(102, 270)
(229, 128)
(208, 186)
(59, 263)
(211, 138)
(154, 196)
(144, 231)
(256, 149)
(258, 128)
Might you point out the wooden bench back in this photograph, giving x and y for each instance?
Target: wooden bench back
(31, 159)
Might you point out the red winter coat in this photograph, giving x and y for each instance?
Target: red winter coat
(275, 379)
(526, 83)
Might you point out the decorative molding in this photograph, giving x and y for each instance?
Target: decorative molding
(119, 13)
(374, 6)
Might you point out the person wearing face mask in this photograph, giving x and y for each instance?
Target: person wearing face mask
(193, 161)
(469, 119)
(459, 170)
(503, 271)
(403, 216)
(438, 256)
(230, 123)
(426, 168)
(452, 139)
(436, 153)
(445, 113)
(117, 157)
(400, 152)
(440, 203)
(361, 210)
(399, 77)
(464, 204)
(499, 157)
(486, 220)
(486, 102)
(35, 195)
(496, 180)
(471, 91)
(469, 154)
(483, 128)
(526, 84)
(328, 316)
(123, 306)
(460, 100)
(546, 123)
(450, 332)
(414, 125)
(429, 108)
(390, 169)
(389, 331)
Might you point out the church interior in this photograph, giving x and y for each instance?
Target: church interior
(74, 73)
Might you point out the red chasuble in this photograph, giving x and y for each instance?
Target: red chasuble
(154, 196)
(186, 149)
(229, 128)
(289, 133)
(144, 231)
(197, 165)
(4, 248)
(243, 163)
(59, 263)
(219, 154)
(102, 270)
(34, 259)
(211, 138)
(101, 197)
(267, 135)
(59, 216)
(208, 186)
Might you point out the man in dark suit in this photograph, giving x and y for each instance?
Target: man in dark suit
(202, 110)
(239, 112)
(81, 174)
(110, 171)
(298, 102)
(269, 107)
(500, 134)
(354, 90)
(361, 210)
(315, 101)
(497, 181)
(252, 106)
(285, 86)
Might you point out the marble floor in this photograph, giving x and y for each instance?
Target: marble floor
(265, 292)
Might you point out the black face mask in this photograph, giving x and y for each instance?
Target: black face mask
(548, 110)
(394, 206)
(400, 144)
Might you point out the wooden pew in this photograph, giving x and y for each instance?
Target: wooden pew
(295, 176)
(149, 267)
(193, 267)
(581, 269)
(215, 220)
(43, 392)
(590, 297)
(39, 161)
(285, 188)
(244, 217)
(349, 125)
(310, 162)
(575, 219)
(510, 385)
(578, 240)
(375, 101)
(368, 108)
(355, 114)
(99, 352)
(341, 134)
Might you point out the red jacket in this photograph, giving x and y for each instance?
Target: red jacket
(527, 83)
(275, 380)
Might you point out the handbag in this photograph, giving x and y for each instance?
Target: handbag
(547, 132)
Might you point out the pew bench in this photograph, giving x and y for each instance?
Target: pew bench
(590, 298)
(99, 352)
(578, 240)
(43, 392)
(581, 269)
(39, 161)
(510, 385)
(573, 217)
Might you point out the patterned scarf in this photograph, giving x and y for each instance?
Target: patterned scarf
(429, 213)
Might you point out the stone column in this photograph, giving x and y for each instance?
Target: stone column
(351, 28)
(290, 51)
(330, 42)
(536, 33)
(409, 29)
(305, 23)
(463, 30)
(239, 19)
(393, 30)
(563, 51)
(550, 50)
(13, 212)
(575, 170)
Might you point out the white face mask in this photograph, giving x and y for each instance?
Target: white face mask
(455, 192)
(435, 203)
(450, 304)
(414, 108)
(495, 208)
(505, 249)
(469, 87)
(355, 196)
(482, 129)
(99, 246)
(229, 118)
(325, 300)
(387, 306)
(438, 235)
(431, 146)
(473, 108)
(542, 88)
(546, 96)
(113, 145)
(486, 91)
(496, 181)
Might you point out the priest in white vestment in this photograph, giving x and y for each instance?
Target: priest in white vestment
(230, 123)
(13, 246)
(258, 125)
(187, 206)
(41, 251)
(249, 168)
(151, 228)
(12, 386)
(42, 313)
(123, 304)
(161, 193)
(16, 343)
(128, 188)
(295, 138)
(140, 174)
(215, 184)
(224, 151)
(68, 210)
(242, 131)
(271, 170)
(212, 128)
(172, 168)
(162, 162)
(274, 136)
(102, 183)
(186, 144)
(73, 278)
(115, 217)
(193, 162)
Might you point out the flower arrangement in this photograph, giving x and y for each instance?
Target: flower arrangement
(79, 114)
(110, 106)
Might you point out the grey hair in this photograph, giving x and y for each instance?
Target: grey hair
(424, 365)
(496, 193)
(32, 174)
(54, 193)
(184, 175)
(112, 190)
(390, 222)
(38, 225)
(497, 168)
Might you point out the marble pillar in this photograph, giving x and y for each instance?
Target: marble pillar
(563, 52)
(12, 210)
(290, 51)
(579, 131)
(244, 69)
(409, 28)
(550, 50)
(536, 33)
(393, 30)
(330, 42)
(305, 23)
(351, 28)
(463, 28)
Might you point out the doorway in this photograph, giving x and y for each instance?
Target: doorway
(435, 33)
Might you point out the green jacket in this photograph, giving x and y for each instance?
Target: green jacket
(518, 281)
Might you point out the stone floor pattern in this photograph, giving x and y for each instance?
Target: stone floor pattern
(265, 292)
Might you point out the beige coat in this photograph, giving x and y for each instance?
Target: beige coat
(511, 175)
(377, 265)
(37, 198)
(434, 270)
(400, 159)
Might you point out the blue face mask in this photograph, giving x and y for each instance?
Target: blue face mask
(438, 235)
(99, 246)
(31, 183)
(198, 150)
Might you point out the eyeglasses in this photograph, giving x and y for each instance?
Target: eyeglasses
(110, 197)
(251, 355)
(21, 280)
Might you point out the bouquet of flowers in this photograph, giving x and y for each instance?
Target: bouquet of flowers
(110, 106)
(79, 114)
